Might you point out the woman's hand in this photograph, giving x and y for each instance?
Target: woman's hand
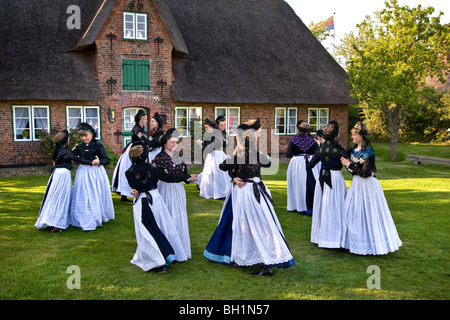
(135, 193)
(238, 181)
(345, 161)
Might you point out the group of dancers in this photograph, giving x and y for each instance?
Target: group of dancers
(358, 219)
(248, 231)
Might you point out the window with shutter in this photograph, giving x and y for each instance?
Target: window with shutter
(135, 75)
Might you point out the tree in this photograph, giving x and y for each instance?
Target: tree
(389, 59)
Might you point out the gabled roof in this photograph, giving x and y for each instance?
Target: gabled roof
(225, 51)
(252, 51)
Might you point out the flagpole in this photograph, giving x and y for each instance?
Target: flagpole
(334, 34)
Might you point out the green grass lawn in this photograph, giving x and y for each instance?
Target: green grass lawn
(33, 263)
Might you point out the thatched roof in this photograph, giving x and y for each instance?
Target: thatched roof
(225, 51)
(252, 51)
(37, 51)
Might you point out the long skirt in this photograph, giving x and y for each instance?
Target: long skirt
(158, 242)
(174, 196)
(55, 206)
(119, 180)
(91, 202)
(213, 182)
(327, 220)
(248, 232)
(368, 224)
(301, 183)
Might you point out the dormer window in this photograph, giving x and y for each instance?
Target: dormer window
(135, 26)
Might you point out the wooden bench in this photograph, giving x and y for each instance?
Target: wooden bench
(418, 159)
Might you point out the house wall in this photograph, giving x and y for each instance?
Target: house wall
(266, 113)
(109, 64)
(24, 152)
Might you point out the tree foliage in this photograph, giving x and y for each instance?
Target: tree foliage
(390, 58)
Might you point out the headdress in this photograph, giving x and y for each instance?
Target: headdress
(139, 115)
(302, 126)
(171, 133)
(158, 119)
(138, 151)
(219, 119)
(86, 126)
(210, 123)
(249, 125)
(64, 138)
(362, 130)
(331, 130)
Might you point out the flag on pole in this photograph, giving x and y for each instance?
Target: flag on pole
(326, 25)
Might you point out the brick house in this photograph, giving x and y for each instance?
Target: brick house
(100, 61)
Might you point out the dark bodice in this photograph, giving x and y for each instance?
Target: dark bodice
(144, 176)
(92, 150)
(243, 168)
(329, 154)
(165, 163)
(362, 162)
(63, 158)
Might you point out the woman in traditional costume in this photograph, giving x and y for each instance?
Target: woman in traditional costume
(54, 213)
(154, 134)
(368, 225)
(158, 242)
(248, 232)
(119, 181)
(301, 180)
(330, 191)
(213, 183)
(174, 193)
(91, 202)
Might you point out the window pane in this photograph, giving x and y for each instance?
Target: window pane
(92, 117)
(292, 120)
(181, 121)
(280, 114)
(128, 118)
(312, 119)
(141, 18)
(22, 123)
(233, 119)
(74, 117)
(40, 120)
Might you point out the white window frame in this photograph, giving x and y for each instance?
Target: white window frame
(188, 119)
(287, 117)
(84, 117)
(31, 122)
(320, 123)
(136, 24)
(230, 129)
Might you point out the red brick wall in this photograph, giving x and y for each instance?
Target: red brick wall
(25, 153)
(266, 113)
(109, 64)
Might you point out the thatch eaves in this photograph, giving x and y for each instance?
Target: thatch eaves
(252, 51)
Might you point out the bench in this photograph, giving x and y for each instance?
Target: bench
(416, 159)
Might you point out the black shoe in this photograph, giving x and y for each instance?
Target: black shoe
(263, 271)
(162, 269)
(56, 230)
